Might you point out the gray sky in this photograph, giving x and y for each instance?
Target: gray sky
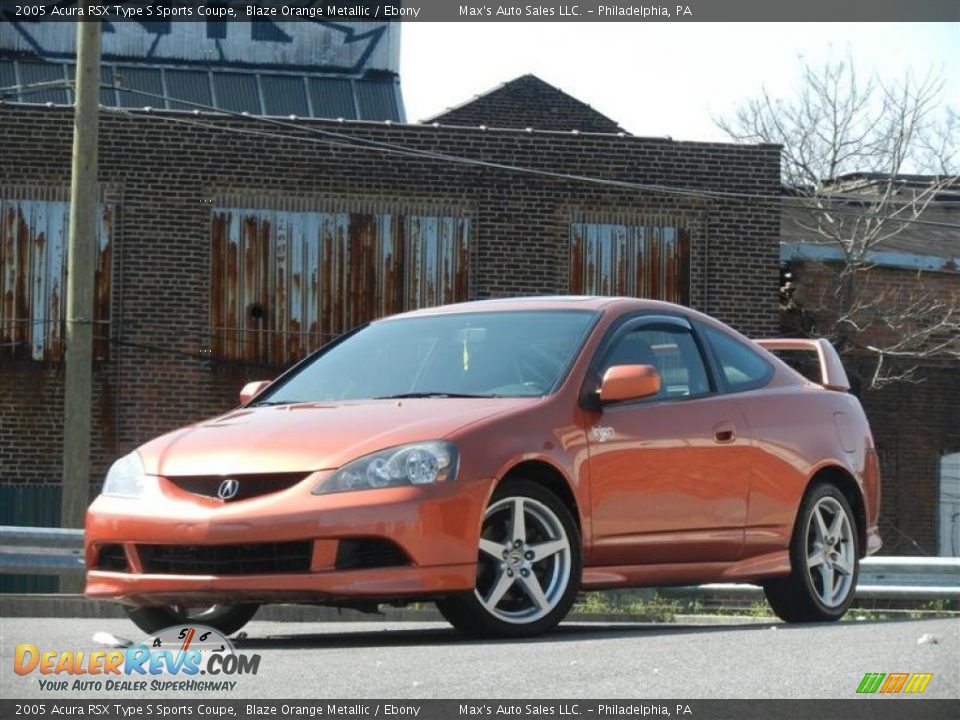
(659, 79)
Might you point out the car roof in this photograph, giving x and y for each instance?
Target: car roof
(548, 302)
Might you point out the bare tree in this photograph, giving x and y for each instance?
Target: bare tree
(847, 145)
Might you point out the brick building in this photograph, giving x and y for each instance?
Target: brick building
(916, 424)
(230, 247)
(527, 101)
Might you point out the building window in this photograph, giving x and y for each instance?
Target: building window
(286, 281)
(645, 256)
(33, 276)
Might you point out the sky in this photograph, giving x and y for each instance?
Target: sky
(660, 79)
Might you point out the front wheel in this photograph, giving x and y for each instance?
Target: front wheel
(226, 619)
(528, 566)
(825, 560)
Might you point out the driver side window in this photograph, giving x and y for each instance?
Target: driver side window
(671, 350)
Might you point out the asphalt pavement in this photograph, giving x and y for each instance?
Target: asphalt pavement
(579, 660)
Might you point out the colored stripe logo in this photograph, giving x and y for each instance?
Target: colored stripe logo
(893, 683)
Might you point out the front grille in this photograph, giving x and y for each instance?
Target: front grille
(112, 557)
(368, 553)
(249, 486)
(246, 559)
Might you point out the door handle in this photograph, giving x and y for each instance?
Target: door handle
(724, 433)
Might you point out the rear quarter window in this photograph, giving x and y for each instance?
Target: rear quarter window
(741, 367)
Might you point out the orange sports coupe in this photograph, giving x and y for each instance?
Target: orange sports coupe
(496, 457)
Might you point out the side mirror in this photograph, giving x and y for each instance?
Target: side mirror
(629, 382)
(252, 389)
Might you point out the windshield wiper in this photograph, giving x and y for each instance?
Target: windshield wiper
(402, 396)
(266, 403)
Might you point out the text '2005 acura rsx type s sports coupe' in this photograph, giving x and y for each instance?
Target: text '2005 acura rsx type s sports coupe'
(496, 457)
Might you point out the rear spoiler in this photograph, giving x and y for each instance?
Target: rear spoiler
(832, 374)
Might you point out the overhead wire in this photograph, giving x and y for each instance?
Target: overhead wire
(340, 139)
(344, 140)
(34, 88)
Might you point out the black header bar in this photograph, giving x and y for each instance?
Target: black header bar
(160, 11)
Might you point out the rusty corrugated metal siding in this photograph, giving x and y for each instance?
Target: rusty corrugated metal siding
(285, 281)
(638, 256)
(33, 274)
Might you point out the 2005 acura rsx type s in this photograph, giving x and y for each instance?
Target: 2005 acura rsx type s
(496, 457)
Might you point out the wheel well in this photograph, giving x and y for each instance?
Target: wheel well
(843, 481)
(551, 478)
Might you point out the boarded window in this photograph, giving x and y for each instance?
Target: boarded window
(33, 276)
(287, 281)
(645, 256)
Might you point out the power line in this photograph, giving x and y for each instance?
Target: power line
(338, 139)
(35, 88)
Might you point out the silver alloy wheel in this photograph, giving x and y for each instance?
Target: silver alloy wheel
(831, 552)
(524, 564)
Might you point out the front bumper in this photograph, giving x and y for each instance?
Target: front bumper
(434, 527)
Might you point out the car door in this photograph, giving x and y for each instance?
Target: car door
(670, 474)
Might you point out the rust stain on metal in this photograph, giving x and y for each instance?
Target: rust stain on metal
(286, 281)
(102, 278)
(640, 256)
(33, 250)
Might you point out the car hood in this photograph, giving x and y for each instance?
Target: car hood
(312, 436)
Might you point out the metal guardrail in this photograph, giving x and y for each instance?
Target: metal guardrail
(881, 578)
(56, 551)
(40, 551)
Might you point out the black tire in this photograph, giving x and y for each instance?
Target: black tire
(517, 569)
(227, 619)
(802, 595)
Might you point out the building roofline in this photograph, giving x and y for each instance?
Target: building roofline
(421, 127)
(501, 86)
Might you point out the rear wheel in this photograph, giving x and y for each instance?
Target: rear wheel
(225, 618)
(528, 566)
(825, 560)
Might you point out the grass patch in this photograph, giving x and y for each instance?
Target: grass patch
(649, 609)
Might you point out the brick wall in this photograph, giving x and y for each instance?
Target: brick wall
(884, 291)
(528, 102)
(163, 172)
(914, 423)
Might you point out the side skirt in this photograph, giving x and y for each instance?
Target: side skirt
(762, 566)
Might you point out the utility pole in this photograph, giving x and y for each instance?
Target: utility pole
(81, 268)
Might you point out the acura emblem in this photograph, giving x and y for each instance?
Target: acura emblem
(228, 489)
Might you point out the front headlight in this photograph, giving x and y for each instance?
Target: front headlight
(125, 477)
(415, 464)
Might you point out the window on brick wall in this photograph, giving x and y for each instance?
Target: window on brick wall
(285, 281)
(33, 275)
(638, 256)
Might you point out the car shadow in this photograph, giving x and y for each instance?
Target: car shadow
(442, 636)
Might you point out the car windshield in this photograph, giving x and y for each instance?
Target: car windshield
(484, 354)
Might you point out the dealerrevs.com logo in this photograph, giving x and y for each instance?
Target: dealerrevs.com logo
(184, 658)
